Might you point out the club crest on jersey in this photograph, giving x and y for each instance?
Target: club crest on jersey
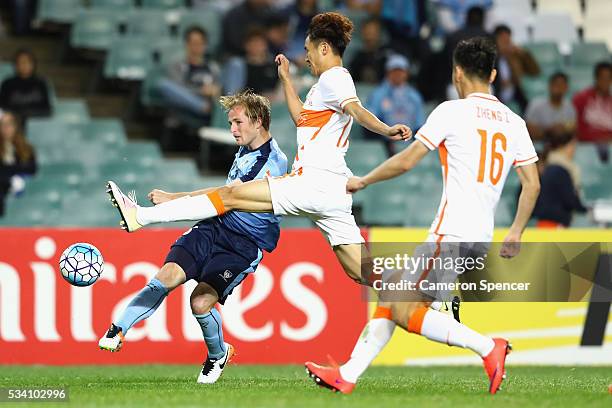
(226, 275)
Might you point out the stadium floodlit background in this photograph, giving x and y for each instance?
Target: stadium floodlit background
(112, 96)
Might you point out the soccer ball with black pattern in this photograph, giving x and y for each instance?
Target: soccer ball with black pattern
(81, 264)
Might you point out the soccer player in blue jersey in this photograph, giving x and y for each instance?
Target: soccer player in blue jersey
(218, 253)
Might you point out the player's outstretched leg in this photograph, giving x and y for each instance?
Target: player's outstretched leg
(220, 353)
(418, 318)
(143, 305)
(374, 337)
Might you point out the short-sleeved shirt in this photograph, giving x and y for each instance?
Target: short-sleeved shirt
(540, 112)
(267, 160)
(397, 104)
(479, 139)
(323, 127)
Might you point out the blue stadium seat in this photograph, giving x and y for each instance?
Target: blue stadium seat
(129, 59)
(589, 53)
(148, 24)
(163, 4)
(94, 29)
(71, 111)
(112, 4)
(58, 11)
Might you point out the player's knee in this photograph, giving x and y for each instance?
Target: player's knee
(202, 304)
(171, 275)
(408, 314)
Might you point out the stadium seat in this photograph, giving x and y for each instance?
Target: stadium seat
(386, 204)
(570, 7)
(588, 54)
(43, 133)
(6, 70)
(149, 95)
(112, 4)
(23, 212)
(210, 20)
(143, 154)
(580, 77)
(89, 211)
(58, 11)
(94, 29)
(149, 24)
(557, 27)
(168, 51)
(176, 170)
(290, 221)
(129, 59)
(108, 131)
(534, 86)
(547, 54)
(70, 173)
(363, 156)
(71, 111)
(163, 4)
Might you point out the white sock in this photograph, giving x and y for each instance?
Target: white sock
(188, 208)
(442, 328)
(373, 339)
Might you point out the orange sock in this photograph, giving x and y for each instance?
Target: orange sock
(216, 200)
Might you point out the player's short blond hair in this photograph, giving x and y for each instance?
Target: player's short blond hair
(255, 106)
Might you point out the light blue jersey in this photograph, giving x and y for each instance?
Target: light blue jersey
(267, 160)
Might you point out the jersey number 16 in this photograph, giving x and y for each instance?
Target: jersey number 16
(497, 159)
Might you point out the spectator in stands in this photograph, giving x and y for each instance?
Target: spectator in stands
(25, 93)
(403, 20)
(512, 64)
(594, 108)
(435, 75)
(299, 19)
(552, 115)
(560, 184)
(453, 15)
(277, 33)
(256, 71)
(395, 101)
(238, 21)
(16, 157)
(368, 64)
(191, 86)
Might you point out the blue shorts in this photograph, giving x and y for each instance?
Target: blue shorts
(212, 253)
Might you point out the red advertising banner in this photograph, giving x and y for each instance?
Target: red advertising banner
(298, 305)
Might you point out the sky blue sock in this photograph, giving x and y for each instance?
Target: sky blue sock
(213, 332)
(143, 305)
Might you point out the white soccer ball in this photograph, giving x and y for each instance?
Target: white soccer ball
(81, 264)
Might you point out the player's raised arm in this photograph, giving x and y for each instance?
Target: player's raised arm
(390, 168)
(530, 184)
(294, 104)
(366, 119)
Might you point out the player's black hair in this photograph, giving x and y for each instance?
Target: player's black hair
(195, 29)
(333, 28)
(476, 56)
(475, 16)
(558, 75)
(501, 29)
(602, 66)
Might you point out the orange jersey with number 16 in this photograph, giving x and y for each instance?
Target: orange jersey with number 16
(479, 139)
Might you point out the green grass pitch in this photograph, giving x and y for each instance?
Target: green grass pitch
(288, 386)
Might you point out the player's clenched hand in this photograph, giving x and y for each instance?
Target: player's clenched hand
(283, 66)
(399, 132)
(159, 196)
(355, 184)
(511, 246)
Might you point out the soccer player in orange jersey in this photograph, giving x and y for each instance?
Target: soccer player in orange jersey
(479, 139)
(316, 187)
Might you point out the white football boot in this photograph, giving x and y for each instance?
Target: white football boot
(213, 368)
(112, 340)
(127, 206)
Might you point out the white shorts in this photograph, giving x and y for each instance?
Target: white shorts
(321, 196)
